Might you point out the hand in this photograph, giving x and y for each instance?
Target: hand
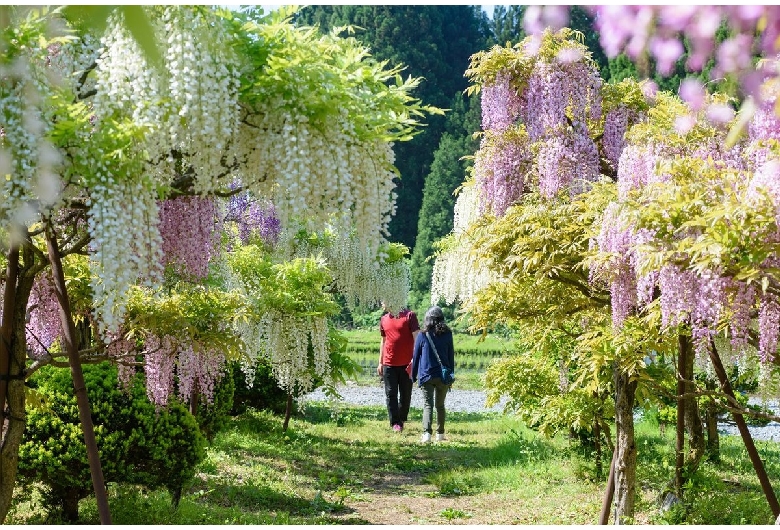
(379, 369)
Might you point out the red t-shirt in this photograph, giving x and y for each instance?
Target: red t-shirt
(399, 341)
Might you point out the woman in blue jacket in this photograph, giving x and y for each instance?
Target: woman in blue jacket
(427, 369)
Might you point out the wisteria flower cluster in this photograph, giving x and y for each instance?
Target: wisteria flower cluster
(667, 180)
(359, 195)
(566, 161)
(285, 341)
(141, 143)
(25, 152)
(543, 129)
(502, 168)
(254, 218)
(560, 93)
(363, 279)
(189, 227)
(457, 274)
(44, 327)
(203, 88)
(616, 124)
(288, 317)
(126, 244)
(500, 104)
(550, 90)
(661, 29)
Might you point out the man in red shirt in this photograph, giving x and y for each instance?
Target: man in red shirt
(395, 353)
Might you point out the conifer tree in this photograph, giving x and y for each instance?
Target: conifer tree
(434, 42)
(447, 172)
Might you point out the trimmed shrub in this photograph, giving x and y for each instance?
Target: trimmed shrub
(138, 444)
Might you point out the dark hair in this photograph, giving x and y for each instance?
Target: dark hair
(434, 321)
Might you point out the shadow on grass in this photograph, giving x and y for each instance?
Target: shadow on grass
(258, 497)
(342, 453)
(344, 415)
(387, 464)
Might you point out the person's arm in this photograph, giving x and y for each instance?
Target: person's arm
(416, 359)
(413, 325)
(381, 350)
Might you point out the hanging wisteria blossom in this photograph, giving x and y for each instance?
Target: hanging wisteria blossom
(189, 227)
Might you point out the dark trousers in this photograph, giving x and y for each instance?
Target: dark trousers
(397, 382)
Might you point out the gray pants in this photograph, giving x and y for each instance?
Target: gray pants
(434, 392)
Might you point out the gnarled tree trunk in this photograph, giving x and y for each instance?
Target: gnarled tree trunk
(625, 459)
(693, 423)
(288, 411)
(13, 350)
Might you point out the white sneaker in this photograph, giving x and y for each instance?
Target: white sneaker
(426, 438)
(440, 437)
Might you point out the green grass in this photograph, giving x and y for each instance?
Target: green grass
(493, 470)
(472, 356)
(463, 342)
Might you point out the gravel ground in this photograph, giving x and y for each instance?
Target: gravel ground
(770, 431)
(459, 400)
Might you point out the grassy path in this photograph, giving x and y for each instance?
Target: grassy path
(344, 465)
(348, 467)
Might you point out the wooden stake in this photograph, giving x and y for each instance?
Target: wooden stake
(758, 465)
(609, 494)
(70, 339)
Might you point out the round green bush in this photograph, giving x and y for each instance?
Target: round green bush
(138, 444)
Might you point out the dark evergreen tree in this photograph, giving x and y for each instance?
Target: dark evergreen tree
(448, 171)
(620, 68)
(434, 42)
(507, 24)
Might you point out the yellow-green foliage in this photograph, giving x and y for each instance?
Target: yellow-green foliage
(394, 252)
(191, 313)
(322, 75)
(701, 219)
(532, 384)
(660, 126)
(627, 93)
(541, 246)
(516, 60)
(295, 287)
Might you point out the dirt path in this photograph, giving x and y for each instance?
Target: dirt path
(403, 499)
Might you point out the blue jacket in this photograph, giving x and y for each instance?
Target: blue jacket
(424, 363)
